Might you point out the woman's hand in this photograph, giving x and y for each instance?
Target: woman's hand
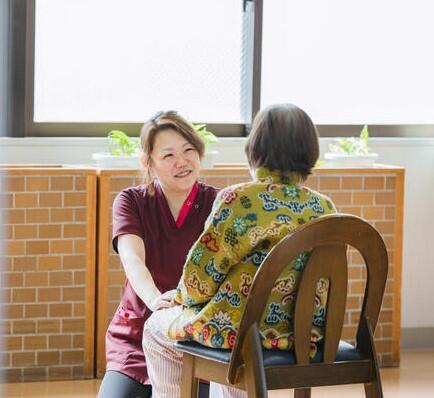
(165, 300)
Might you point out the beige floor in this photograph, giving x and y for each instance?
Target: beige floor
(414, 379)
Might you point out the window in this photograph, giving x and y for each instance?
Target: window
(93, 65)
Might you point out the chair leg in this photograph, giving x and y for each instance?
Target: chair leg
(373, 390)
(302, 392)
(189, 383)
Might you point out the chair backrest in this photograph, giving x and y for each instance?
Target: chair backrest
(326, 238)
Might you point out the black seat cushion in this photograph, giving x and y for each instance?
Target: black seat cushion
(346, 352)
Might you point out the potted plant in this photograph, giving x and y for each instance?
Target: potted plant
(124, 152)
(351, 152)
(209, 139)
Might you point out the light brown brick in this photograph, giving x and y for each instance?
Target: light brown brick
(80, 215)
(11, 184)
(49, 294)
(385, 198)
(37, 183)
(385, 227)
(12, 343)
(390, 212)
(74, 262)
(363, 198)
(35, 342)
(23, 327)
(312, 182)
(373, 213)
(374, 183)
(12, 216)
(48, 263)
(11, 279)
(80, 246)
(62, 215)
(26, 200)
(37, 215)
(79, 278)
(356, 258)
(23, 358)
(47, 358)
(50, 231)
(74, 199)
(80, 183)
(79, 310)
(329, 183)
(26, 231)
(12, 375)
(355, 210)
(35, 373)
(357, 287)
(72, 357)
(37, 247)
(59, 372)
(78, 372)
(73, 293)
(78, 341)
(72, 325)
(74, 230)
(385, 316)
(60, 341)
(353, 302)
(60, 310)
(119, 183)
(36, 310)
(48, 326)
(62, 183)
(13, 311)
(13, 247)
(387, 302)
(6, 232)
(61, 246)
(354, 273)
(5, 295)
(61, 278)
(39, 278)
(390, 182)
(341, 197)
(352, 182)
(115, 277)
(6, 263)
(5, 361)
(50, 199)
(6, 200)
(23, 295)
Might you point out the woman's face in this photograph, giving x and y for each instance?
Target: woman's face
(174, 161)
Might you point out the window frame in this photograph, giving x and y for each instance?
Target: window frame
(21, 92)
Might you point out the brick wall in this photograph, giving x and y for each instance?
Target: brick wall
(47, 281)
(374, 194)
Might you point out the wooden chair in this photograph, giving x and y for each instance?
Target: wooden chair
(253, 369)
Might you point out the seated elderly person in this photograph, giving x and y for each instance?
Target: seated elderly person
(247, 220)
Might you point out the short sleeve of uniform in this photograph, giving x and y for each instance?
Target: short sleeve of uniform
(126, 218)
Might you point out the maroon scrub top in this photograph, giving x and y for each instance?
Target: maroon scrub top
(166, 245)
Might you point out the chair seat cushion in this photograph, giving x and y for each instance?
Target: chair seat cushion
(346, 352)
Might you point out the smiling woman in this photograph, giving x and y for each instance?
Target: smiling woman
(154, 226)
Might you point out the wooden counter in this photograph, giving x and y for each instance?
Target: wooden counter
(56, 232)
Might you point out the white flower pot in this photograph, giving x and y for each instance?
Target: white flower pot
(106, 160)
(347, 161)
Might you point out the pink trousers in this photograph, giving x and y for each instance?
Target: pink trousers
(164, 362)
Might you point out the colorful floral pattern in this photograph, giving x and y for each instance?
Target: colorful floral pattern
(246, 222)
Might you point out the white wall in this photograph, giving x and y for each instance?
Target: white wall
(416, 155)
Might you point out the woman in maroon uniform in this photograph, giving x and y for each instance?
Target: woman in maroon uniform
(154, 226)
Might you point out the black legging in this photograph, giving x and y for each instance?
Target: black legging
(118, 385)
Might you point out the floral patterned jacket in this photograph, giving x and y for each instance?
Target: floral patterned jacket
(247, 220)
